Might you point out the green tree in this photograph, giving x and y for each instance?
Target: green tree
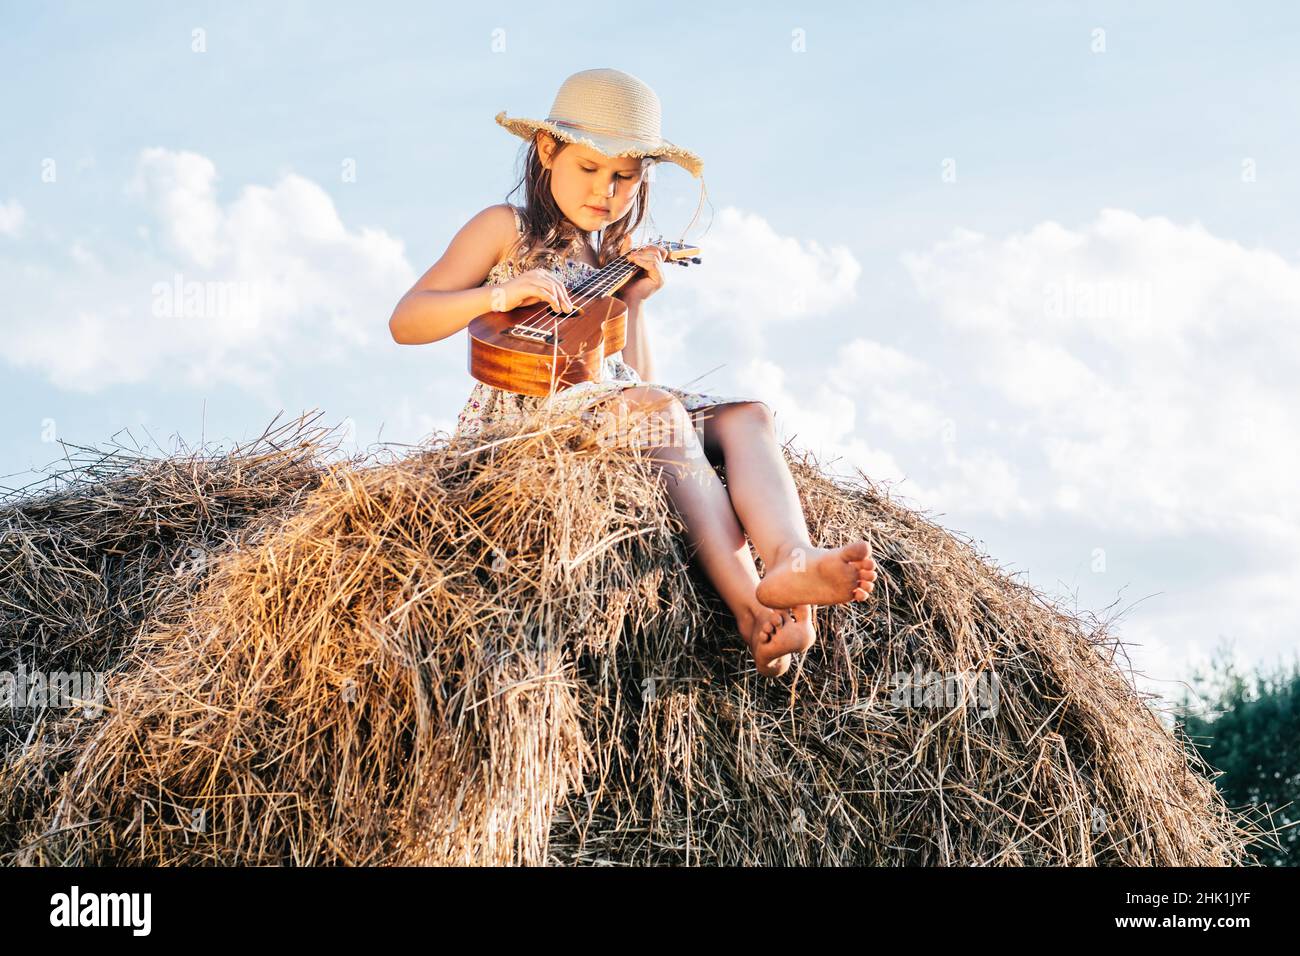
(1248, 727)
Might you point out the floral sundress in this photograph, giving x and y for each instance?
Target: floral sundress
(489, 405)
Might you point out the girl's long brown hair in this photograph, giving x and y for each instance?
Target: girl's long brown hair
(547, 233)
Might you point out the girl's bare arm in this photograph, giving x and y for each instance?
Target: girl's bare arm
(448, 296)
(636, 350)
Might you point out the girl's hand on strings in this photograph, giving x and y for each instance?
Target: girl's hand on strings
(531, 287)
(648, 258)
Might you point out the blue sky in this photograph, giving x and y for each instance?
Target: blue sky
(1134, 454)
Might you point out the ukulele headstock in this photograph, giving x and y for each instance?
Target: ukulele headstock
(682, 253)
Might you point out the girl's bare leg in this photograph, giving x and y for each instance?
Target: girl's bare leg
(656, 421)
(764, 496)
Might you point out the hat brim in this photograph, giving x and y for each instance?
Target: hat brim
(606, 144)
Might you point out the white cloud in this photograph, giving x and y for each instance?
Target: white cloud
(1143, 377)
(12, 217)
(823, 419)
(1156, 365)
(707, 325)
(894, 388)
(180, 189)
(208, 292)
(83, 256)
(757, 277)
(820, 420)
(980, 481)
(864, 405)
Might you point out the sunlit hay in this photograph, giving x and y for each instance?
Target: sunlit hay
(492, 652)
(109, 539)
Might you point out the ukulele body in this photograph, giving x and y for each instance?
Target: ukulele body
(526, 350)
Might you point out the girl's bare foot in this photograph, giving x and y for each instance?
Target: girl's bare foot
(773, 635)
(806, 575)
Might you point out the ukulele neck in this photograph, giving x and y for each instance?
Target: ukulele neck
(542, 325)
(608, 279)
(619, 272)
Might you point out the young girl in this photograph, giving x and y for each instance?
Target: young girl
(587, 174)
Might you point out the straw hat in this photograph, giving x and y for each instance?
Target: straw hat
(611, 112)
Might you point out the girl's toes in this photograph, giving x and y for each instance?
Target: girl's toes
(857, 551)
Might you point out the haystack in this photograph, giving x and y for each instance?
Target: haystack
(495, 652)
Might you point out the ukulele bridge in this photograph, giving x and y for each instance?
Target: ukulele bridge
(532, 334)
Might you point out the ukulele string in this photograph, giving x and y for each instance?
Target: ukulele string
(597, 289)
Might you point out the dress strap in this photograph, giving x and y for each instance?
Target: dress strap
(519, 222)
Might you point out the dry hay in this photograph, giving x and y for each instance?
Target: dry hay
(116, 538)
(494, 653)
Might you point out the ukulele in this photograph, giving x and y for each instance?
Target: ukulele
(532, 349)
